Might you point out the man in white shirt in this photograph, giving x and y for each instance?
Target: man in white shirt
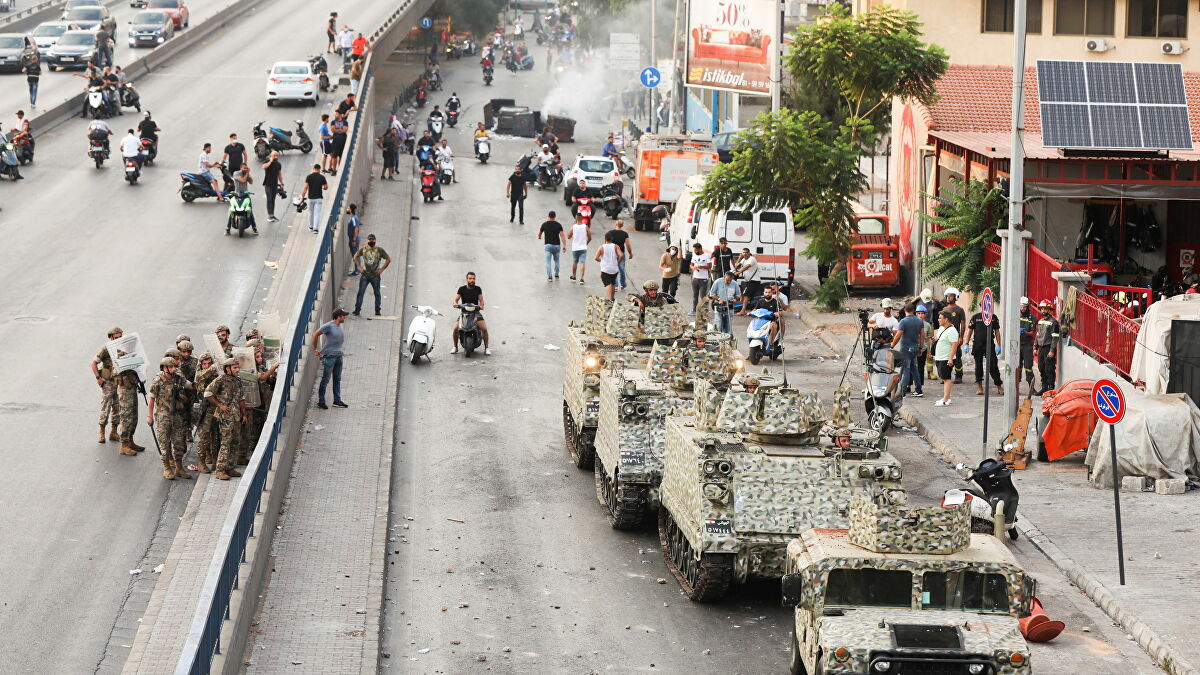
(131, 148)
(746, 267)
(884, 318)
(544, 160)
(204, 169)
(701, 265)
(346, 45)
(581, 236)
(445, 157)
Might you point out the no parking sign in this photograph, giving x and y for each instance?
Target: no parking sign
(1109, 405)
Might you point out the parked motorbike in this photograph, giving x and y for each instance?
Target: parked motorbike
(429, 185)
(241, 215)
(133, 170)
(321, 67)
(421, 332)
(882, 395)
(993, 502)
(483, 150)
(436, 126)
(95, 103)
(129, 97)
(446, 175)
(194, 186)
(470, 336)
(451, 118)
(97, 149)
(280, 139)
(10, 166)
(758, 337)
(419, 99)
(612, 201)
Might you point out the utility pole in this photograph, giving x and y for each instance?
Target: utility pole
(653, 62)
(1012, 256)
(678, 56)
(777, 59)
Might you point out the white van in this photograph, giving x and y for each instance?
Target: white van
(768, 234)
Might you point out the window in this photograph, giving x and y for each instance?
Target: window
(1157, 18)
(1084, 17)
(772, 227)
(965, 589)
(739, 226)
(998, 16)
(866, 586)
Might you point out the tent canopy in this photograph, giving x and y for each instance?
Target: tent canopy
(1151, 355)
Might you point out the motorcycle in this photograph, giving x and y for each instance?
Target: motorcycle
(436, 125)
(550, 177)
(488, 73)
(129, 97)
(446, 175)
(95, 103)
(483, 150)
(280, 139)
(421, 332)
(194, 186)
(133, 169)
(10, 166)
(758, 337)
(24, 149)
(623, 166)
(429, 185)
(321, 67)
(612, 201)
(993, 502)
(469, 334)
(524, 63)
(419, 99)
(150, 149)
(241, 215)
(435, 82)
(424, 155)
(453, 51)
(584, 209)
(882, 395)
(97, 150)
(452, 118)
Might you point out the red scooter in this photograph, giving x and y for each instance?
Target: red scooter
(429, 185)
(584, 209)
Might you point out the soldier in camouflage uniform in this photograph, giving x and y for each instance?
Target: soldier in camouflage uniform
(102, 368)
(127, 402)
(223, 332)
(841, 438)
(225, 393)
(266, 387)
(187, 368)
(165, 414)
(206, 425)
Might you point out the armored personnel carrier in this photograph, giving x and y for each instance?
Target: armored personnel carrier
(906, 590)
(749, 473)
(611, 334)
(634, 404)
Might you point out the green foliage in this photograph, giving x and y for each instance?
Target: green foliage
(832, 293)
(968, 213)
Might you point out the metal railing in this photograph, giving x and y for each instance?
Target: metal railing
(1104, 332)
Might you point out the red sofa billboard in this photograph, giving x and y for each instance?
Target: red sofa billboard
(730, 44)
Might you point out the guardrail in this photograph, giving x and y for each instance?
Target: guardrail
(12, 17)
(203, 641)
(1105, 332)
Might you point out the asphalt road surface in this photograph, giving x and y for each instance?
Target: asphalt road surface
(534, 579)
(85, 251)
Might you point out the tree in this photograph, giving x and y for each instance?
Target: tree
(967, 214)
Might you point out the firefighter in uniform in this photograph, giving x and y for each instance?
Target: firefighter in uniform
(1028, 323)
(1046, 341)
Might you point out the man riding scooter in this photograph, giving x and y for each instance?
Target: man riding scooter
(610, 150)
(771, 302)
(481, 134)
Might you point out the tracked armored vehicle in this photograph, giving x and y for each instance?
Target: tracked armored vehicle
(906, 591)
(749, 473)
(634, 405)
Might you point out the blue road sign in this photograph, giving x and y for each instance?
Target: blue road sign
(988, 306)
(1107, 401)
(426, 23)
(650, 77)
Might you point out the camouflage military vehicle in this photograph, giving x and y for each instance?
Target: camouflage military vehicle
(906, 591)
(746, 475)
(634, 403)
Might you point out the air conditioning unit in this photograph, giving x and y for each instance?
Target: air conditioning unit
(1097, 45)
(1173, 47)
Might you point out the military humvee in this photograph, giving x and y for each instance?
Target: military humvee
(634, 404)
(906, 591)
(747, 474)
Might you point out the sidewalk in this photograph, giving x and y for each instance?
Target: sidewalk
(1072, 522)
(321, 609)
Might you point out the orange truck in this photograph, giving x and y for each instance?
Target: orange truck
(664, 163)
(875, 256)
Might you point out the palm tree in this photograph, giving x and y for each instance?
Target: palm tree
(966, 216)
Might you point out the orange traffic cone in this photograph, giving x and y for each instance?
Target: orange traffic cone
(1037, 627)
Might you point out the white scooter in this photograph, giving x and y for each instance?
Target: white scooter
(436, 125)
(483, 150)
(447, 171)
(421, 332)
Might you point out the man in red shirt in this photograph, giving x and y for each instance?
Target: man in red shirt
(359, 48)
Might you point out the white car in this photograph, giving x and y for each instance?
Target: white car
(47, 33)
(292, 81)
(594, 172)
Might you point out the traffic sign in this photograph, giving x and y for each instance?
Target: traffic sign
(988, 305)
(1107, 401)
(650, 77)
(426, 23)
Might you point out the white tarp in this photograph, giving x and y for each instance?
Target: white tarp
(1159, 437)
(1151, 362)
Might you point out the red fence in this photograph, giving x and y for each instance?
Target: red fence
(1039, 280)
(1100, 329)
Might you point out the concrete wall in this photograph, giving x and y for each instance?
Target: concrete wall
(1075, 364)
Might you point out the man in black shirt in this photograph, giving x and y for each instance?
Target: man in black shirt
(516, 188)
(314, 192)
(553, 238)
(723, 258)
(579, 191)
(473, 295)
(770, 302)
(112, 97)
(983, 348)
(273, 183)
(958, 318)
(348, 104)
(620, 237)
(234, 155)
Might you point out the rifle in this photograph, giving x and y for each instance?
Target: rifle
(142, 389)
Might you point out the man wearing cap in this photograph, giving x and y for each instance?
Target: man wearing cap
(225, 393)
(331, 357)
(165, 415)
(222, 332)
(1046, 341)
(841, 438)
(102, 369)
(649, 297)
(958, 317)
(983, 347)
(206, 424)
(370, 261)
(1028, 323)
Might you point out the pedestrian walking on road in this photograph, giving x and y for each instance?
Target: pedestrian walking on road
(31, 65)
(669, 264)
(516, 189)
(331, 32)
(701, 265)
(389, 144)
(723, 257)
(553, 240)
(353, 225)
(103, 47)
(105, 373)
(621, 238)
(984, 350)
(923, 352)
(330, 354)
(1046, 341)
(371, 261)
(945, 340)
(909, 336)
(581, 236)
(273, 183)
(314, 192)
(724, 293)
(609, 255)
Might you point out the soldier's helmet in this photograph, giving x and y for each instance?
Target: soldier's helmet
(167, 361)
(185, 346)
(229, 362)
(222, 327)
(173, 353)
(207, 355)
(182, 338)
(699, 334)
(650, 286)
(253, 342)
(840, 432)
(253, 333)
(114, 330)
(749, 381)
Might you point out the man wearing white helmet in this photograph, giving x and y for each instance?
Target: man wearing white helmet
(1028, 323)
(958, 318)
(884, 318)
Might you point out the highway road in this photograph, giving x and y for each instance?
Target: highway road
(533, 579)
(85, 251)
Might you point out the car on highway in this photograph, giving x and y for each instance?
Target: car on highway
(47, 33)
(137, 3)
(72, 4)
(12, 47)
(150, 28)
(176, 8)
(73, 50)
(92, 18)
(594, 172)
(291, 81)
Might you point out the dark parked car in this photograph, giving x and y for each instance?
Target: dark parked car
(724, 142)
(92, 18)
(176, 8)
(47, 34)
(73, 50)
(12, 47)
(150, 28)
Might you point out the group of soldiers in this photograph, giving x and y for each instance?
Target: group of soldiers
(225, 428)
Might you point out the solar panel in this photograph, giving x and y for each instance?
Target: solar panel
(1113, 105)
